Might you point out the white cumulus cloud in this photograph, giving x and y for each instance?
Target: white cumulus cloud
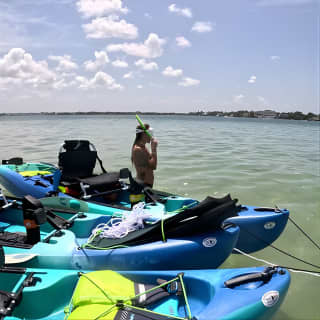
(120, 64)
(202, 27)
(128, 75)
(18, 66)
(151, 48)
(188, 82)
(99, 8)
(101, 59)
(238, 98)
(64, 63)
(170, 72)
(252, 79)
(61, 84)
(186, 12)
(101, 79)
(110, 27)
(147, 66)
(275, 58)
(183, 42)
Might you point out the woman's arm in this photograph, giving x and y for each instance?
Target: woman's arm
(153, 161)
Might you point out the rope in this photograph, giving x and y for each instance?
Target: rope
(116, 303)
(280, 250)
(299, 228)
(88, 245)
(104, 313)
(95, 284)
(120, 227)
(153, 312)
(162, 229)
(294, 257)
(117, 227)
(164, 239)
(183, 207)
(185, 296)
(254, 258)
(152, 289)
(103, 292)
(313, 273)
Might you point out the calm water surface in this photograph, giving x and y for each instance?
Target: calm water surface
(260, 162)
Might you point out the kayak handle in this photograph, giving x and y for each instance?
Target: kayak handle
(264, 276)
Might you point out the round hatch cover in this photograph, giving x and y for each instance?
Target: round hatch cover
(269, 225)
(270, 298)
(209, 242)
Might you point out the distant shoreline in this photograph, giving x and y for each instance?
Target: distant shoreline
(266, 114)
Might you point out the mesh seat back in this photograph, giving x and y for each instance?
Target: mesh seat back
(78, 161)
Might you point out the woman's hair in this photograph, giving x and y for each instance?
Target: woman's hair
(139, 135)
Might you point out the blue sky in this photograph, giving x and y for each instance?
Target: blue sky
(159, 55)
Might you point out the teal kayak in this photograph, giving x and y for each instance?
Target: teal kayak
(259, 226)
(29, 169)
(36, 237)
(245, 293)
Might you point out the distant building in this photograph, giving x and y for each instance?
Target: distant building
(284, 115)
(270, 114)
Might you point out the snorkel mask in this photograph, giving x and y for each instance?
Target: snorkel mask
(148, 132)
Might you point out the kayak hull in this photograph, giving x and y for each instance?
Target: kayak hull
(63, 251)
(208, 297)
(259, 227)
(20, 186)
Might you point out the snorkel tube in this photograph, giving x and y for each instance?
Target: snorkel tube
(143, 127)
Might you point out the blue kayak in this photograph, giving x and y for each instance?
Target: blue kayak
(193, 239)
(259, 226)
(246, 293)
(28, 179)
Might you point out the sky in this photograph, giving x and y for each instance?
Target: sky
(159, 55)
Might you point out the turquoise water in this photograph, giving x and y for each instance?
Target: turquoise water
(260, 162)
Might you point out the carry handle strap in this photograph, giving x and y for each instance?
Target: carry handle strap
(101, 165)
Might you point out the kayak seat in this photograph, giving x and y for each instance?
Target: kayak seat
(105, 182)
(77, 160)
(103, 179)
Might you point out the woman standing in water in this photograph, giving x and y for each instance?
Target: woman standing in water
(145, 162)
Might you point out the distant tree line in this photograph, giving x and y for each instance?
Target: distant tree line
(298, 115)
